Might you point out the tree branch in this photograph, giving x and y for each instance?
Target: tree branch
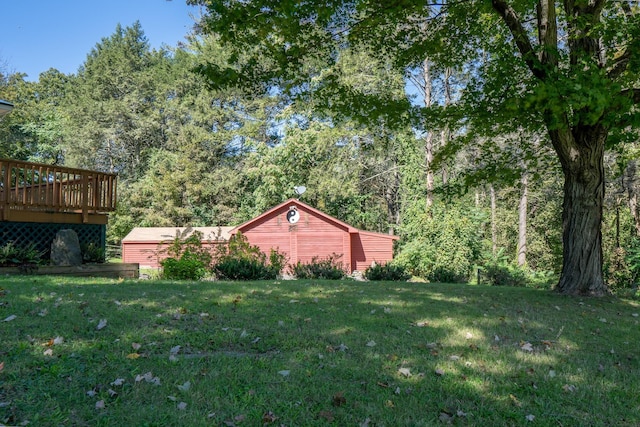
(633, 94)
(511, 19)
(620, 64)
(548, 32)
(595, 9)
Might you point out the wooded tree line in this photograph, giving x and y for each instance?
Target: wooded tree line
(199, 136)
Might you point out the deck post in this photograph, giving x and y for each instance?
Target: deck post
(85, 198)
(4, 196)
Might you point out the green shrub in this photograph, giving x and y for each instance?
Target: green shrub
(188, 241)
(187, 259)
(188, 267)
(93, 253)
(244, 269)
(448, 275)
(320, 268)
(388, 271)
(240, 261)
(622, 266)
(15, 255)
(442, 244)
(502, 274)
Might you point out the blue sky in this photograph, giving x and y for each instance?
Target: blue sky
(42, 34)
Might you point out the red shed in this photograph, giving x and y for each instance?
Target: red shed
(302, 232)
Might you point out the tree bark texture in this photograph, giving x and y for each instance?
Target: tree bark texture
(630, 183)
(582, 158)
(522, 223)
(428, 143)
(494, 222)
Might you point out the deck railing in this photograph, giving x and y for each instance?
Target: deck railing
(27, 186)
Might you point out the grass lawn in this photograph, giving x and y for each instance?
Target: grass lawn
(100, 352)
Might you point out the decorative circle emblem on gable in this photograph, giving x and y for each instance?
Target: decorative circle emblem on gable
(293, 215)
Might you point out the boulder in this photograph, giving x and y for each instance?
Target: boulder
(65, 249)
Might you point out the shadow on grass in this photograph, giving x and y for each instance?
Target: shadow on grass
(313, 353)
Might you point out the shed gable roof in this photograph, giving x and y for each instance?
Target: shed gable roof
(284, 206)
(164, 234)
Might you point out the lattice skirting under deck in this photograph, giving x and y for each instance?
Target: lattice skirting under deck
(42, 234)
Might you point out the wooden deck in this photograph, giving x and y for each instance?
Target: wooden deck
(34, 192)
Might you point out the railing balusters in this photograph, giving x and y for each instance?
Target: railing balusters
(33, 186)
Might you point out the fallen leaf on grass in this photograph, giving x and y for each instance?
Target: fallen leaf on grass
(389, 404)
(10, 318)
(342, 347)
(526, 347)
(446, 418)
(439, 372)
(405, 372)
(174, 352)
(182, 406)
(1, 366)
(269, 417)
(338, 399)
(133, 356)
(327, 415)
(101, 324)
(100, 404)
(48, 352)
(284, 373)
(530, 417)
(185, 387)
(148, 377)
(569, 388)
(371, 344)
(117, 382)
(515, 401)
(136, 346)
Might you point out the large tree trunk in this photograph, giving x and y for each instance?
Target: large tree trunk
(581, 154)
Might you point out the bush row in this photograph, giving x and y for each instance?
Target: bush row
(186, 259)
